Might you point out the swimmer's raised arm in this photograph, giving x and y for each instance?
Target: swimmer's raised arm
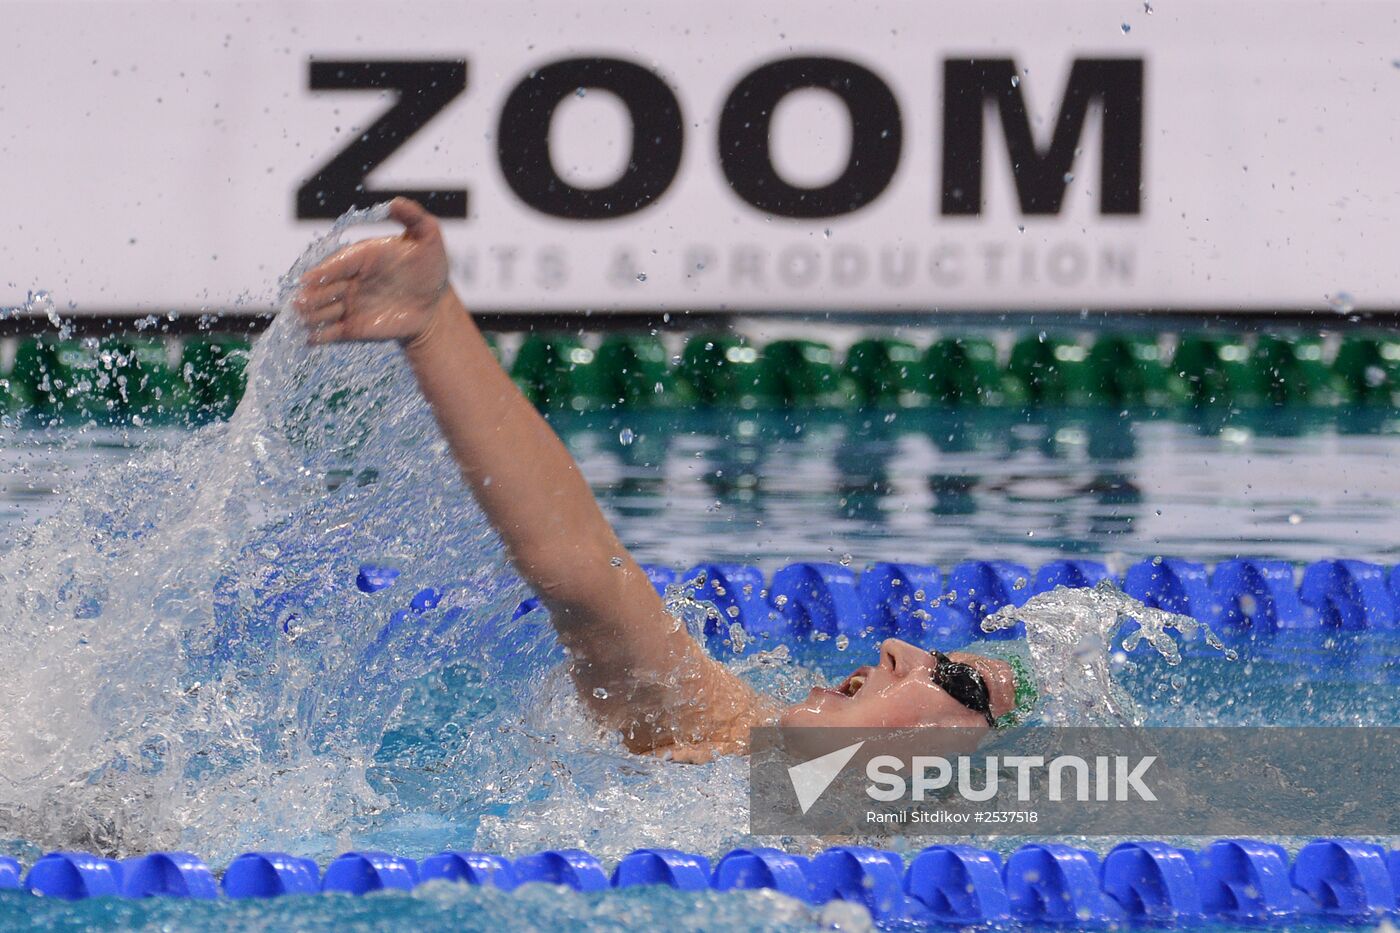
(633, 664)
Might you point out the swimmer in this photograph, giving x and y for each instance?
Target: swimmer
(637, 670)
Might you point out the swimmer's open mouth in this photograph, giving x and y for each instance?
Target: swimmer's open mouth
(851, 686)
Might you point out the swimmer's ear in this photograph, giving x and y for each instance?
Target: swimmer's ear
(418, 224)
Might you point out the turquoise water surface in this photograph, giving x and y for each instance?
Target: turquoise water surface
(187, 663)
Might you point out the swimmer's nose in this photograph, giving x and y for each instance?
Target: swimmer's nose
(902, 658)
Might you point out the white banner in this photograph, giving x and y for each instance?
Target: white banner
(732, 154)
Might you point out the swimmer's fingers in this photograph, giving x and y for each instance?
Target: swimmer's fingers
(326, 314)
(331, 333)
(418, 224)
(314, 300)
(346, 264)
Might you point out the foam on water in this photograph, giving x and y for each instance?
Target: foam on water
(182, 661)
(185, 661)
(1069, 634)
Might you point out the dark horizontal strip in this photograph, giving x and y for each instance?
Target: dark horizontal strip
(180, 322)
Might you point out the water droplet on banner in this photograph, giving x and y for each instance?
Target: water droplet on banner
(1341, 302)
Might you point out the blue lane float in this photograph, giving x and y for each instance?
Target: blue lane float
(168, 874)
(958, 885)
(1071, 573)
(1240, 598)
(1049, 883)
(981, 587)
(898, 599)
(364, 872)
(763, 868)
(75, 876)
(683, 871)
(739, 594)
(1351, 595)
(572, 868)
(10, 874)
(817, 599)
(1246, 881)
(1155, 884)
(1258, 595)
(270, 874)
(1175, 585)
(474, 868)
(1343, 879)
(1146, 883)
(869, 877)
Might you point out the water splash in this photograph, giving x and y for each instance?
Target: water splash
(183, 661)
(1069, 635)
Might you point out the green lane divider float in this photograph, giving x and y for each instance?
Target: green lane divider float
(725, 370)
(126, 378)
(203, 377)
(212, 369)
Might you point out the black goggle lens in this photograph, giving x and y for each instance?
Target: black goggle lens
(963, 683)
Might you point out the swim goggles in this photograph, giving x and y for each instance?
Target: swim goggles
(964, 683)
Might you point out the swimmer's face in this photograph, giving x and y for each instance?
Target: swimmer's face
(900, 693)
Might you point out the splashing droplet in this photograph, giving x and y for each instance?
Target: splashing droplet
(625, 437)
(1069, 633)
(1341, 302)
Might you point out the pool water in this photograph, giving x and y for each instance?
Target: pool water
(440, 906)
(185, 662)
(771, 488)
(930, 485)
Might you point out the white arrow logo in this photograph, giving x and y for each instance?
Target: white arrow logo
(811, 778)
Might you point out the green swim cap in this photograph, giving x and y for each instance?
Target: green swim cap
(1026, 694)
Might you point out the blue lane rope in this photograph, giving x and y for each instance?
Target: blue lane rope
(1149, 882)
(1242, 597)
(1140, 883)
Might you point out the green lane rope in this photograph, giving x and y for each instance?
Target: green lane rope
(129, 377)
(126, 378)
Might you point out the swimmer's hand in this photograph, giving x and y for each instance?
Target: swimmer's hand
(390, 288)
